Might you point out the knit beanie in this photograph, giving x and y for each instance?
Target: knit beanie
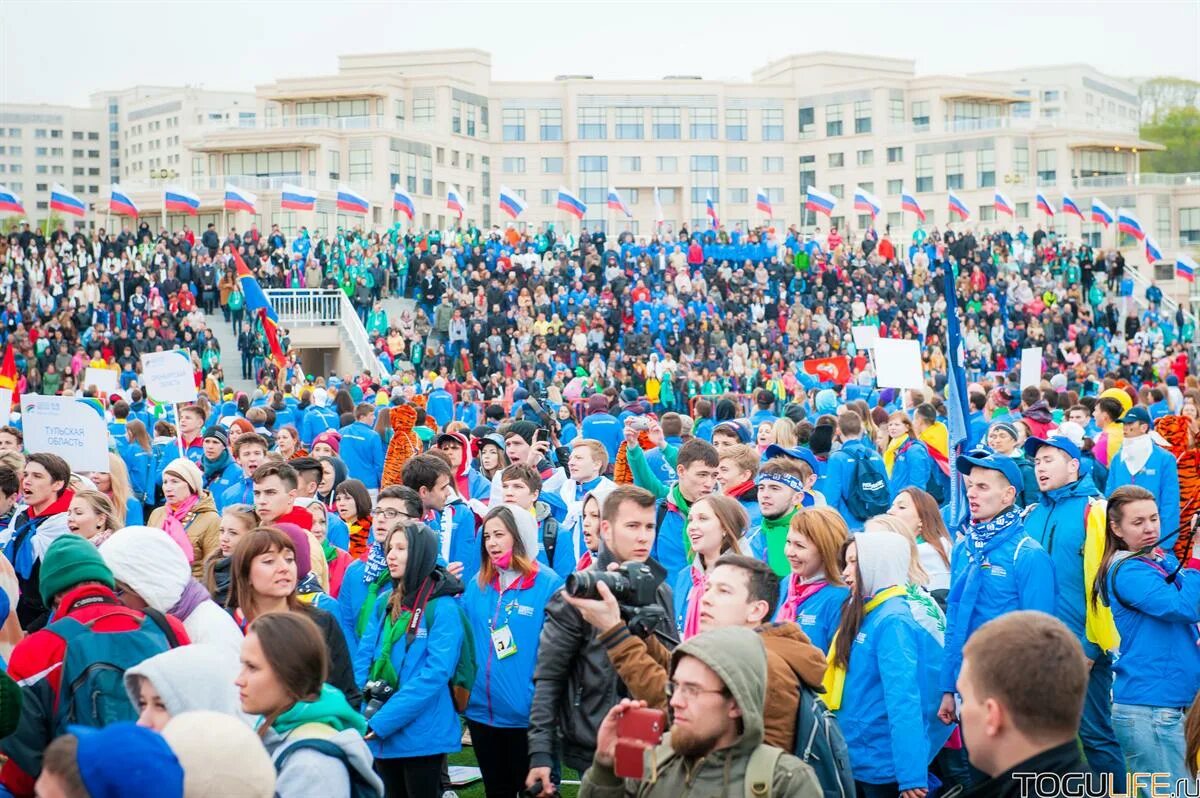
(220, 755)
(70, 561)
(124, 760)
(330, 437)
(184, 469)
(526, 429)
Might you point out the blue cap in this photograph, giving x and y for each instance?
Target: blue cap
(1136, 414)
(984, 458)
(123, 760)
(800, 453)
(1061, 442)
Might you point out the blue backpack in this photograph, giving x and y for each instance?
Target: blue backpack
(820, 744)
(869, 494)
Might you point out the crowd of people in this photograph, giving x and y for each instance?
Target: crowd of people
(593, 492)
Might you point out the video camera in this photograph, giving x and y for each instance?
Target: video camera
(635, 588)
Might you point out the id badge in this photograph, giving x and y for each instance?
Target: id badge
(503, 643)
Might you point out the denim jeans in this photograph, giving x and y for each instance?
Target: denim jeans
(1152, 738)
(1100, 745)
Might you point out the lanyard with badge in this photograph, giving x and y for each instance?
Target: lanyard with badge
(502, 638)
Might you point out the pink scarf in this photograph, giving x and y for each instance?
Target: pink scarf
(797, 594)
(172, 524)
(691, 621)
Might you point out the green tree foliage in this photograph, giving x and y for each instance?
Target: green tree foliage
(1179, 131)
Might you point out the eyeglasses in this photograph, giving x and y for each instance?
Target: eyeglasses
(688, 691)
(390, 514)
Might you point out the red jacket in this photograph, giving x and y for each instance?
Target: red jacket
(36, 665)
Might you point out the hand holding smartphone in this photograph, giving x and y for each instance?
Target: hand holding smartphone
(638, 728)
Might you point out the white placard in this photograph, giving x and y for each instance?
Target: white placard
(898, 363)
(168, 377)
(1031, 367)
(6, 405)
(65, 427)
(106, 380)
(865, 336)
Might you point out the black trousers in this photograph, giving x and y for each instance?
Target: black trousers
(411, 777)
(503, 756)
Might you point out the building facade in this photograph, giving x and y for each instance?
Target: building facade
(41, 145)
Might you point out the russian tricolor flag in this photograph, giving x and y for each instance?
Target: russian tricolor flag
(909, 203)
(351, 202)
(237, 199)
(1044, 205)
(10, 202)
(763, 202)
(1153, 253)
(120, 203)
(710, 210)
(1003, 204)
(403, 203)
(1069, 206)
(180, 201)
(65, 201)
(1185, 268)
(510, 202)
(819, 202)
(454, 201)
(616, 203)
(866, 201)
(1101, 213)
(295, 198)
(1128, 223)
(570, 203)
(958, 207)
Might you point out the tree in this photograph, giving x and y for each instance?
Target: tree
(1179, 131)
(1159, 96)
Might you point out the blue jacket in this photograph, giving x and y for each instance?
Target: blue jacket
(141, 472)
(337, 532)
(1159, 664)
(704, 429)
(351, 599)
(1057, 523)
(669, 550)
(605, 428)
(818, 615)
(316, 420)
(891, 693)
(503, 691)
(362, 452)
(440, 405)
(135, 512)
(419, 720)
(911, 468)
(1017, 574)
(1159, 476)
(458, 521)
(839, 473)
(240, 492)
(230, 476)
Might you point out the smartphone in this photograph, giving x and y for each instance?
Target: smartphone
(637, 730)
(541, 435)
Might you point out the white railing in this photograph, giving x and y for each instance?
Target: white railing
(1169, 304)
(360, 342)
(1011, 123)
(248, 182)
(1139, 179)
(320, 307)
(294, 121)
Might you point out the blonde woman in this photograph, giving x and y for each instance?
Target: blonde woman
(91, 515)
(784, 433)
(115, 485)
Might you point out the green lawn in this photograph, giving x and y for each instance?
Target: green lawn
(467, 757)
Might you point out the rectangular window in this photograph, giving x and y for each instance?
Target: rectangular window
(862, 116)
(987, 213)
(552, 166)
(631, 123)
(550, 124)
(737, 164)
(833, 120)
(1047, 170)
(924, 172)
(954, 170)
(736, 127)
(666, 124)
(772, 124)
(920, 115)
(666, 164)
(737, 196)
(868, 186)
(550, 197)
(894, 187)
(775, 195)
(593, 163)
(334, 159)
(1020, 161)
(896, 112)
(630, 163)
(703, 163)
(1022, 210)
(667, 196)
(837, 159)
(513, 166)
(985, 162)
(703, 124)
(894, 219)
(456, 116)
(838, 190)
(424, 109)
(895, 155)
(593, 123)
(360, 166)
(772, 164)
(807, 121)
(1189, 225)
(514, 124)
(865, 157)
(1050, 96)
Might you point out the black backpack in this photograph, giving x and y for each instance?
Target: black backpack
(868, 494)
(820, 744)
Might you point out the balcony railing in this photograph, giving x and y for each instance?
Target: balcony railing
(248, 182)
(306, 307)
(1139, 179)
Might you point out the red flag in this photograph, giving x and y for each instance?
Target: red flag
(272, 334)
(8, 369)
(829, 369)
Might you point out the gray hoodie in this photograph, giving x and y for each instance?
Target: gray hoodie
(196, 676)
(737, 656)
(310, 773)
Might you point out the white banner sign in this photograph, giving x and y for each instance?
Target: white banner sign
(168, 377)
(65, 427)
(865, 336)
(898, 363)
(104, 379)
(1031, 367)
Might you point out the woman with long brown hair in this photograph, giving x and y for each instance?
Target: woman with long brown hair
(813, 593)
(715, 525)
(921, 511)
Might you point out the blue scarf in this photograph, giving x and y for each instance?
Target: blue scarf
(214, 468)
(376, 563)
(980, 535)
(981, 538)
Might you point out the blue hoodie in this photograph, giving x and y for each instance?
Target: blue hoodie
(819, 615)
(230, 475)
(1057, 524)
(440, 405)
(1159, 664)
(839, 474)
(362, 452)
(1159, 476)
(911, 468)
(605, 428)
(316, 420)
(458, 521)
(503, 691)
(352, 598)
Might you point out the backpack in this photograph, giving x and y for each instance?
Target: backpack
(463, 678)
(868, 494)
(359, 786)
(933, 485)
(92, 691)
(820, 745)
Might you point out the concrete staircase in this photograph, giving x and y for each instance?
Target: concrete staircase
(231, 358)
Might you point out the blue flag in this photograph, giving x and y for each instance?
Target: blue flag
(957, 408)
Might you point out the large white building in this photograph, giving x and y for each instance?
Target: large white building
(41, 145)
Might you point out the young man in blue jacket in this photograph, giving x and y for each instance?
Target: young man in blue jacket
(445, 512)
(839, 470)
(1140, 461)
(362, 449)
(318, 417)
(1059, 523)
(249, 452)
(995, 567)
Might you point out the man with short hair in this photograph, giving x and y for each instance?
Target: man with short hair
(362, 449)
(781, 492)
(717, 696)
(522, 487)
(585, 474)
(191, 424)
(1017, 728)
(1142, 462)
(249, 452)
(526, 442)
(275, 497)
(221, 472)
(841, 467)
(574, 682)
(43, 519)
(736, 474)
(445, 512)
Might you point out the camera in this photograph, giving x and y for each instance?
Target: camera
(533, 410)
(633, 584)
(376, 692)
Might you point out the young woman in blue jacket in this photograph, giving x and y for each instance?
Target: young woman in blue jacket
(505, 605)
(813, 594)
(1156, 607)
(883, 673)
(411, 646)
(716, 525)
(908, 462)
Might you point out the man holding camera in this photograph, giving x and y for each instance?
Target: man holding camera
(574, 683)
(717, 691)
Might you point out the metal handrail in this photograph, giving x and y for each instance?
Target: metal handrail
(319, 307)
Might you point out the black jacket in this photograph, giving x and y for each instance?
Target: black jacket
(574, 682)
(1060, 760)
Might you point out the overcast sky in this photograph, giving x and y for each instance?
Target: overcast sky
(59, 52)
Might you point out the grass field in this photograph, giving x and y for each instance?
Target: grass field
(467, 757)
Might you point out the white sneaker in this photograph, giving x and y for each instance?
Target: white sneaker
(449, 794)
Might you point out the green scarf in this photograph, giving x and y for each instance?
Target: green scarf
(675, 497)
(382, 668)
(330, 708)
(360, 625)
(330, 551)
(776, 531)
